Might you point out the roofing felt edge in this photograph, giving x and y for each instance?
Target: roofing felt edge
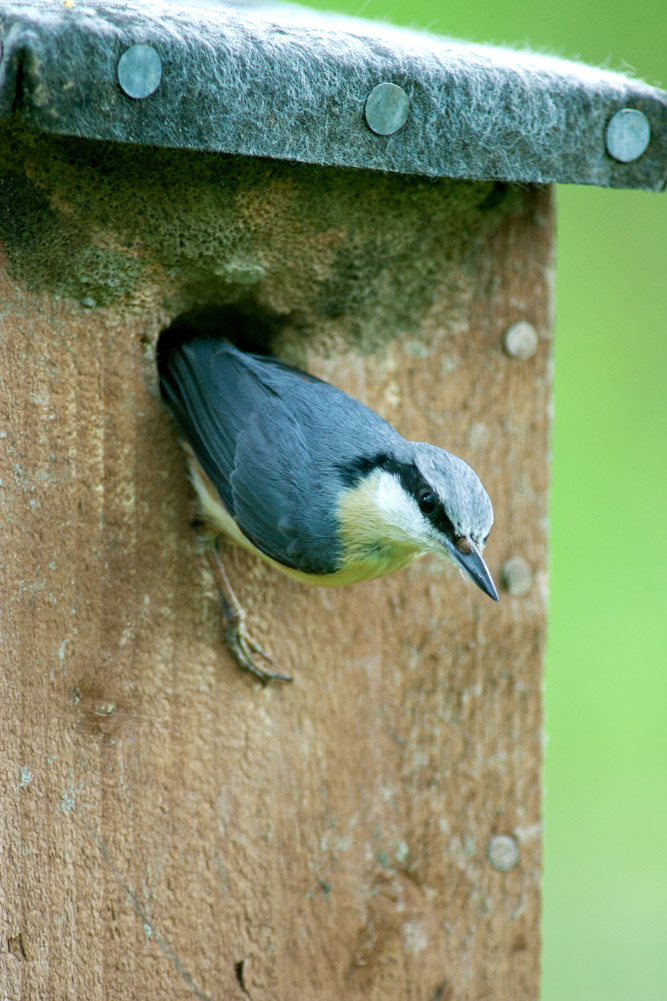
(292, 85)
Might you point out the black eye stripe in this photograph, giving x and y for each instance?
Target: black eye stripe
(437, 515)
(442, 522)
(411, 480)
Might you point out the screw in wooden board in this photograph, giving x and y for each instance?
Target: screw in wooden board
(387, 108)
(516, 576)
(520, 341)
(503, 853)
(628, 135)
(139, 71)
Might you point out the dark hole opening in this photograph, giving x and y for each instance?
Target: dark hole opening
(249, 329)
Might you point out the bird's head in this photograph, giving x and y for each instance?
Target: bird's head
(429, 501)
(457, 511)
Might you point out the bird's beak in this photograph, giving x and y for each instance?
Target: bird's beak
(474, 566)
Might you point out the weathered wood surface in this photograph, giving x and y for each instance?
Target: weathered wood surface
(169, 827)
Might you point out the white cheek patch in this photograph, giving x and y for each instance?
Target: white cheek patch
(401, 513)
(402, 518)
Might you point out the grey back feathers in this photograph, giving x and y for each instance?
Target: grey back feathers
(281, 447)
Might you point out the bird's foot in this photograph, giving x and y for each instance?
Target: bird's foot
(243, 648)
(240, 644)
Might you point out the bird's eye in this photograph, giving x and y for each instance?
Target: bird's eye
(427, 503)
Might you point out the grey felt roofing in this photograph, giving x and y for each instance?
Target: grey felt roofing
(286, 83)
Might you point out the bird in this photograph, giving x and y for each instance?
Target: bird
(311, 480)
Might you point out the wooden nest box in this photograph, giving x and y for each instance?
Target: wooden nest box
(374, 206)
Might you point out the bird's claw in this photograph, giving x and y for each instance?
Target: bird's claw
(243, 647)
(239, 643)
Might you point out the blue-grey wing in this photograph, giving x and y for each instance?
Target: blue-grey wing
(279, 498)
(253, 450)
(207, 397)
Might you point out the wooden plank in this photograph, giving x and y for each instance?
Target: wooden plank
(166, 821)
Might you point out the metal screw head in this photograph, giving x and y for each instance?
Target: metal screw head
(387, 108)
(520, 341)
(516, 576)
(139, 71)
(628, 135)
(503, 853)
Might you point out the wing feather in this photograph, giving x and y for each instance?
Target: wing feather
(210, 396)
(228, 407)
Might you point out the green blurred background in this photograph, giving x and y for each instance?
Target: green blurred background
(605, 877)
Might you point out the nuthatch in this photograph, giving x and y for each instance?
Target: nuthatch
(310, 479)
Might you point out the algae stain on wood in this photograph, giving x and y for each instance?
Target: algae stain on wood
(147, 229)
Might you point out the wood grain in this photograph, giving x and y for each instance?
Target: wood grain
(169, 827)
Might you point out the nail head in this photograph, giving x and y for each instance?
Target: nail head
(628, 135)
(503, 853)
(520, 341)
(139, 71)
(516, 576)
(387, 108)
